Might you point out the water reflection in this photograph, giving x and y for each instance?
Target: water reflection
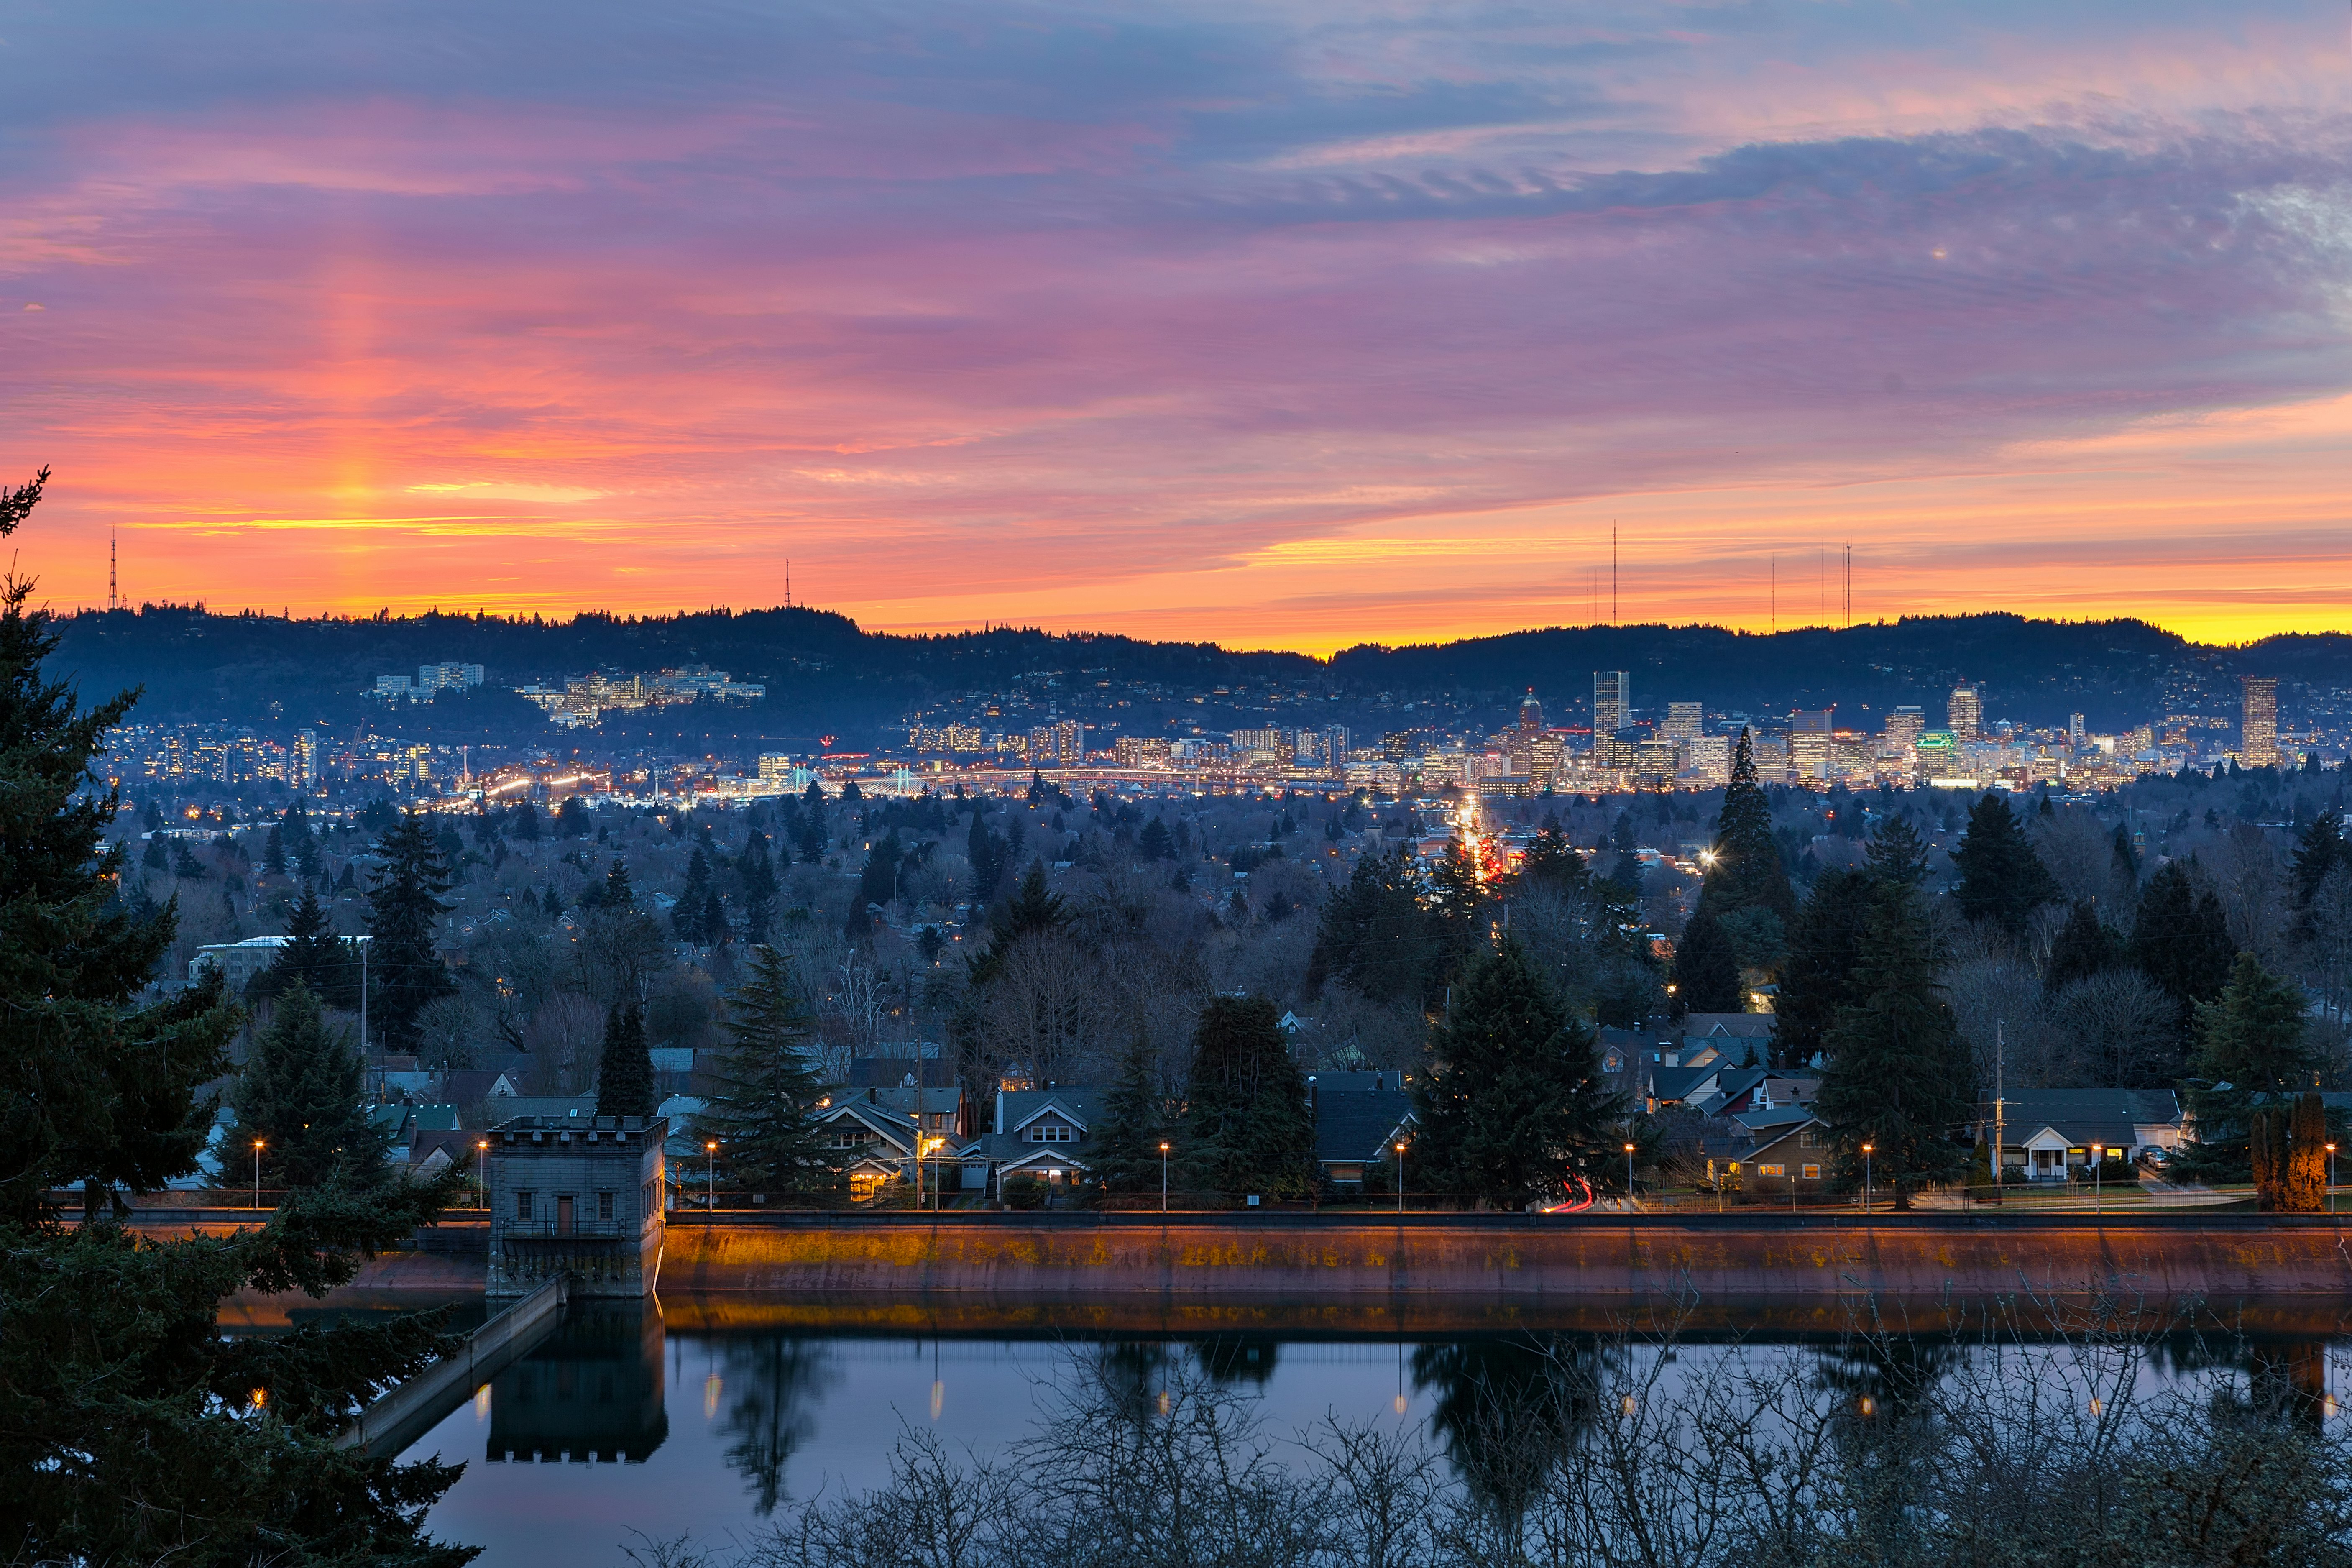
(764, 1419)
(1507, 1411)
(771, 1387)
(592, 1392)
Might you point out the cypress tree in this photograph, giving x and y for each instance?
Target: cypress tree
(764, 1107)
(1706, 971)
(125, 1431)
(1897, 1077)
(2001, 881)
(303, 1094)
(1246, 1125)
(1512, 1100)
(1744, 871)
(405, 966)
(625, 1069)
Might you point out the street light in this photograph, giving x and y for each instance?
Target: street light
(1163, 1178)
(482, 1171)
(2098, 1161)
(257, 1172)
(2331, 1178)
(1629, 1178)
(1865, 1177)
(710, 1173)
(1400, 1149)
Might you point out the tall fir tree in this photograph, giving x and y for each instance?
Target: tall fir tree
(762, 1108)
(127, 1430)
(1377, 936)
(1897, 1077)
(2084, 946)
(624, 1068)
(315, 957)
(1822, 975)
(2319, 850)
(2001, 881)
(303, 1094)
(1551, 861)
(1135, 1123)
(687, 921)
(2254, 1050)
(1154, 843)
(1706, 970)
(2180, 939)
(1247, 1128)
(1512, 1103)
(1744, 869)
(404, 967)
(759, 874)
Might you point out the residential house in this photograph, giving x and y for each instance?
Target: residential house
(2048, 1133)
(873, 1142)
(1787, 1148)
(1042, 1133)
(1359, 1118)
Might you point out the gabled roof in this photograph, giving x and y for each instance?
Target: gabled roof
(1677, 1083)
(1016, 1107)
(1779, 1119)
(1346, 1082)
(434, 1119)
(2084, 1116)
(1749, 1026)
(890, 1125)
(1359, 1124)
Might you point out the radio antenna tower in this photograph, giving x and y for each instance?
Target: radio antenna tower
(1849, 585)
(1613, 574)
(788, 582)
(113, 598)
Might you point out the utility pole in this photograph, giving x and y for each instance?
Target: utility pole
(1613, 574)
(1998, 1122)
(1849, 585)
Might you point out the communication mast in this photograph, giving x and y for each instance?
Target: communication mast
(113, 598)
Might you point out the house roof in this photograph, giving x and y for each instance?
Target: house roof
(1750, 1025)
(1358, 1124)
(553, 1106)
(2084, 1116)
(1779, 1118)
(936, 1100)
(1345, 1082)
(1016, 1107)
(434, 1119)
(1675, 1083)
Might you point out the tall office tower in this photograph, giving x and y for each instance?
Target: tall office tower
(2258, 733)
(1904, 726)
(1530, 713)
(1613, 700)
(1685, 720)
(1965, 712)
(305, 763)
(2074, 732)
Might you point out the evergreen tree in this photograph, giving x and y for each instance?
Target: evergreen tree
(1550, 861)
(303, 1094)
(273, 854)
(1706, 971)
(1032, 909)
(1135, 1123)
(572, 818)
(618, 896)
(2001, 881)
(1897, 1077)
(877, 885)
(314, 957)
(2180, 939)
(625, 1069)
(716, 927)
(404, 967)
(1246, 1125)
(762, 1109)
(1154, 843)
(1822, 975)
(759, 874)
(2084, 946)
(1512, 1102)
(1898, 854)
(2320, 849)
(687, 921)
(1375, 936)
(522, 823)
(1744, 869)
(2124, 864)
(2252, 1049)
(126, 1434)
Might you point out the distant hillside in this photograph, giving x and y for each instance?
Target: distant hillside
(824, 673)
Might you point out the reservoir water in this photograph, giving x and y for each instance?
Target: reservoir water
(622, 1425)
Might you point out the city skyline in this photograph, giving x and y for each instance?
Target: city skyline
(1272, 327)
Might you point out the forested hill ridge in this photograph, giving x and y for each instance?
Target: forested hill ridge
(822, 669)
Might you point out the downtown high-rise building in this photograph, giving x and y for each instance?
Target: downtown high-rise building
(2258, 728)
(1903, 727)
(1966, 712)
(1685, 720)
(1612, 703)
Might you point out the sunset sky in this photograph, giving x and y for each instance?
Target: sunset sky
(1285, 324)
